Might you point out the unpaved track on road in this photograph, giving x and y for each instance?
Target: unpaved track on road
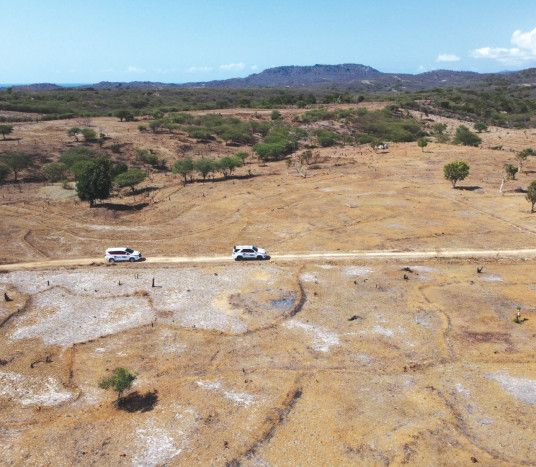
(528, 253)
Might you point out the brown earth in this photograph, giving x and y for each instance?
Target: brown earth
(294, 361)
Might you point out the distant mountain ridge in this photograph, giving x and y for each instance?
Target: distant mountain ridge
(299, 76)
(348, 76)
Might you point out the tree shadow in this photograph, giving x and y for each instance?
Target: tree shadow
(222, 178)
(122, 207)
(140, 191)
(136, 402)
(10, 139)
(33, 179)
(467, 188)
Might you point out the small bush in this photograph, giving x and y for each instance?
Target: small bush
(120, 381)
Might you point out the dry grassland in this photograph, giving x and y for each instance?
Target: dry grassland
(306, 362)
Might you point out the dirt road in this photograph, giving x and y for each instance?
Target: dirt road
(528, 253)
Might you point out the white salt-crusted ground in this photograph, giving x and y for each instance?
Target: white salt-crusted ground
(75, 306)
(32, 390)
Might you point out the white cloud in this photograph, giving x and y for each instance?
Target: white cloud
(524, 50)
(447, 58)
(254, 67)
(233, 66)
(134, 69)
(525, 40)
(200, 68)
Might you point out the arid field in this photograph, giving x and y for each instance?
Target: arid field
(299, 360)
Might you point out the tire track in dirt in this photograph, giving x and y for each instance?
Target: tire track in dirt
(363, 255)
(472, 206)
(520, 228)
(276, 417)
(446, 323)
(461, 427)
(33, 247)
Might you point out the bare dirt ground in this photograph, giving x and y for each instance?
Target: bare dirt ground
(332, 353)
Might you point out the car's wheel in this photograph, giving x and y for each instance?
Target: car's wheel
(239, 258)
(260, 258)
(111, 260)
(132, 260)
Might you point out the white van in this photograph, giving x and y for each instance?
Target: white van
(121, 254)
(241, 252)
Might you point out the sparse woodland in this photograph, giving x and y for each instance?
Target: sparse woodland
(303, 358)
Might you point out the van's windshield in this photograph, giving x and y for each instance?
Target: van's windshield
(130, 251)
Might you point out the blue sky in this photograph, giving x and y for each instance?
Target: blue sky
(73, 41)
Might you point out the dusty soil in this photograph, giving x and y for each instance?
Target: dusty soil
(340, 360)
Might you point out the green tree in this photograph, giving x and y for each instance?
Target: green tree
(126, 115)
(455, 171)
(118, 168)
(74, 155)
(267, 151)
(480, 127)
(510, 171)
(120, 381)
(155, 125)
(238, 134)
(17, 161)
(227, 164)
(78, 168)
(260, 127)
(6, 130)
(185, 167)
(522, 156)
(5, 170)
(275, 115)
(94, 180)
(531, 195)
(148, 157)
(422, 143)
(142, 128)
(466, 137)
(130, 178)
(203, 134)
(204, 167)
(55, 172)
(89, 134)
(243, 155)
(326, 138)
(439, 128)
(74, 131)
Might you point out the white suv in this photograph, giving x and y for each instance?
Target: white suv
(241, 252)
(121, 254)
